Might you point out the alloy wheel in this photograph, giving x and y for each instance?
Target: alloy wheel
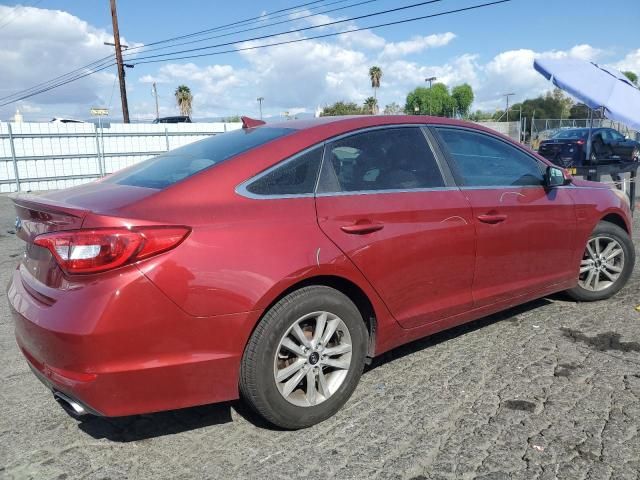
(312, 359)
(602, 263)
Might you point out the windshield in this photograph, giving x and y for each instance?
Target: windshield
(573, 133)
(175, 165)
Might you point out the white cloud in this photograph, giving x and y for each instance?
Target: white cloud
(296, 78)
(40, 44)
(512, 71)
(363, 39)
(416, 45)
(630, 62)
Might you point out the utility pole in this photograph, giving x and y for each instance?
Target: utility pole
(430, 80)
(155, 95)
(116, 39)
(260, 99)
(507, 95)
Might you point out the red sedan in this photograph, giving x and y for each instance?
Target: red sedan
(272, 262)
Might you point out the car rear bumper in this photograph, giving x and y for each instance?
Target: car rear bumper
(124, 350)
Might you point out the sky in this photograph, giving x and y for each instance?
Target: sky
(491, 48)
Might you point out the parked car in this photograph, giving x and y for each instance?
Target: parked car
(65, 120)
(568, 147)
(176, 119)
(273, 262)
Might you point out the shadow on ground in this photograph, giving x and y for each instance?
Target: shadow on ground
(142, 427)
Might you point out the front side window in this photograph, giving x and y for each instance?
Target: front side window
(616, 136)
(485, 161)
(381, 159)
(294, 177)
(171, 167)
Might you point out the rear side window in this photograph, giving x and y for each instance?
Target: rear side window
(175, 165)
(296, 176)
(484, 161)
(382, 159)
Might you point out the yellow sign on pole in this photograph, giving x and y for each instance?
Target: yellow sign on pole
(99, 112)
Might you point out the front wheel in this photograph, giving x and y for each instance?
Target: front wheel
(305, 358)
(606, 264)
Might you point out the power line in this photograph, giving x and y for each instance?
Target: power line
(146, 59)
(94, 64)
(97, 65)
(297, 30)
(129, 53)
(334, 34)
(231, 24)
(17, 12)
(56, 85)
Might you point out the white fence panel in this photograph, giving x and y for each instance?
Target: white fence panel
(58, 155)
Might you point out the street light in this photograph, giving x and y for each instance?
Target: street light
(430, 80)
(507, 95)
(260, 99)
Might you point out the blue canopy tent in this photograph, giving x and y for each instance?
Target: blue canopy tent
(596, 86)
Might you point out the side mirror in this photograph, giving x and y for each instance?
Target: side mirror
(555, 177)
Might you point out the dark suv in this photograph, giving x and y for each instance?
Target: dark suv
(568, 147)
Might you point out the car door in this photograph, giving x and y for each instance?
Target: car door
(382, 199)
(620, 145)
(524, 232)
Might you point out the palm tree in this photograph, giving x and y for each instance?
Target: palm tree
(184, 99)
(375, 74)
(371, 105)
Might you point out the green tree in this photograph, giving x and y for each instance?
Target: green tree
(371, 105)
(375, 74)
(341, 108)
(184, 99)
(480, 116)
(430, 101)
(553, 104)
(631, 76)
(232, 119)
(463, 96)
(392, 109)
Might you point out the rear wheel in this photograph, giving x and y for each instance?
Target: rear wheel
(305, 358)
(606, 264)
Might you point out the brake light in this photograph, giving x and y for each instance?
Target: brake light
(92, 251)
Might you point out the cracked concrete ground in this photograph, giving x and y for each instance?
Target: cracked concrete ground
(547, 390)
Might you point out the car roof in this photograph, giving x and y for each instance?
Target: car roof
(351, 122)
(325, 127)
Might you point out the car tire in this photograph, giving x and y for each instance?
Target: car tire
(285, 400)
(602, 274)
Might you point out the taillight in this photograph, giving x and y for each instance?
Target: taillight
(91, 251)
(580, 142)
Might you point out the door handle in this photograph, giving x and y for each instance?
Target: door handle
(492, 218)
(362, 228)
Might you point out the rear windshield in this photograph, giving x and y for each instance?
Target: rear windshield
(175, 165)
(573, 133)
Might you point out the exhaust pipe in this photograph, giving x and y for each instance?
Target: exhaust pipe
(72, 407)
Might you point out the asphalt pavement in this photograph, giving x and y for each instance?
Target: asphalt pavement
(548, 390)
